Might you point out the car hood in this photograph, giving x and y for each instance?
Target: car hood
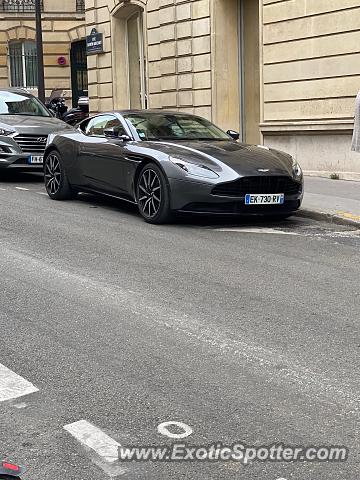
(33, 125)
(242, 158)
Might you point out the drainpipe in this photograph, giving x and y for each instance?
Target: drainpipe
(40, 53)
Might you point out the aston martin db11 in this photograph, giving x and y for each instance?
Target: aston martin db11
(168, 162)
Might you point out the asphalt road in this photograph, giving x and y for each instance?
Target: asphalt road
(245, 332)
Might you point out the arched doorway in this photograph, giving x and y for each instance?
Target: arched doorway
(129, 75)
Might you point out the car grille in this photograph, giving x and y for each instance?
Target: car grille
(260, 184)
(31, 143)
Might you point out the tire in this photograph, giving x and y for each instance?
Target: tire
(152, 195)
(56, 182)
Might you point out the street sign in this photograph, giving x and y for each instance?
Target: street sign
(94, 42)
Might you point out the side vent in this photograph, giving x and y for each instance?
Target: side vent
(134, 158)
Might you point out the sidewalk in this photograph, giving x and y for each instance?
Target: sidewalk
(333, 200)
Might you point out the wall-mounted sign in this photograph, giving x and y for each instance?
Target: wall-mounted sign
(94, 42)
(61, 61)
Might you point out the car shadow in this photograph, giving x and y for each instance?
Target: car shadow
(12, 176)
(189, 220)
(233, 221)
(110, 203)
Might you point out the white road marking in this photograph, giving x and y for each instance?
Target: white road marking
(348, 233)
(94, 439)
(20, 405)
(22, 188)
(13, 386)
(163, 429)
(3, 189)
(42, 193)
(272, 231)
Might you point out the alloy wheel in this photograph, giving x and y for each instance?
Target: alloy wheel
(149, 192)
(52, 174)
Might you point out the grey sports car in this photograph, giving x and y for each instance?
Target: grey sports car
(24, 127)
(168, 162)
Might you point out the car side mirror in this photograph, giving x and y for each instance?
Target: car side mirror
(233, 134)
(124, 138)
(111, 132)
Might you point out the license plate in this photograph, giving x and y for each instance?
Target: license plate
(262, 199)
(36, 159)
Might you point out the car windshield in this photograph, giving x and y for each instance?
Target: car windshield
(157, 126)
(12, 103)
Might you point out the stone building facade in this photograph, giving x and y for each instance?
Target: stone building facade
(282, 72)
(63, 26)
(175, 54)
(310, 75)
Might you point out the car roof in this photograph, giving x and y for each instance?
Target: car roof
(152, 111)
(147, 111)
(16, 90)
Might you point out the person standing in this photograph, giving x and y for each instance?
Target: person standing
(355, 147)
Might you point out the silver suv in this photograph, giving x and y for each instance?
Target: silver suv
(25, 124)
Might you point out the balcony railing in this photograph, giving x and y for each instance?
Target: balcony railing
(18, 6)
(21, 6)
(80, 6)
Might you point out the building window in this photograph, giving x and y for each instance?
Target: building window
(80, 6)
(18, 5)
(23, 64)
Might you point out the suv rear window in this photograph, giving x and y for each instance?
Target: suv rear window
(14, 103)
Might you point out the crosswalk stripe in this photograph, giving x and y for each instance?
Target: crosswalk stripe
(13, 386)
(91, 437)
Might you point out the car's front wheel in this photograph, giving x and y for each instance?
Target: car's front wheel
(152, 194)
(56, 181)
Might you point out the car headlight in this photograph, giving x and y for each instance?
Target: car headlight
(5, 132)
(297, 172)
(193, 169)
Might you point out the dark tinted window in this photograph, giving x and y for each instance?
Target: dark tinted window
(157, 126)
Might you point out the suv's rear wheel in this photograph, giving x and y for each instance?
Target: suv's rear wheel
(56, 181)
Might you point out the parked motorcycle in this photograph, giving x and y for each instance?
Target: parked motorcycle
(56, 104)
(76, 115)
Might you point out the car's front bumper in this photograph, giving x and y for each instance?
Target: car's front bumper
(196, 197)
(12, 156)
(19, 162)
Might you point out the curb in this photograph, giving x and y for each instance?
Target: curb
(327, 217)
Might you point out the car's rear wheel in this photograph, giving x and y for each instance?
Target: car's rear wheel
(56, 181)
(152, 194)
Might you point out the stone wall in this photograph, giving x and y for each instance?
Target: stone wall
(177, 49)
(192, 53)
(311, 75)
(61, 25)
(179, 55)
